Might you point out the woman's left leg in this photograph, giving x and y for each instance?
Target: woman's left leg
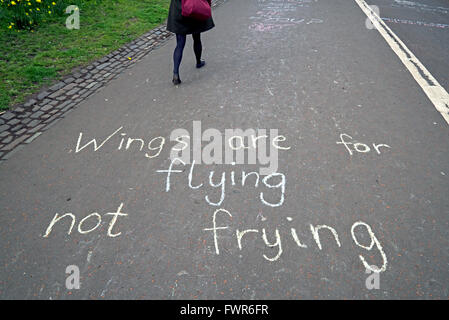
(198, 49)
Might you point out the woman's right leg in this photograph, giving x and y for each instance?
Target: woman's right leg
(177, 55)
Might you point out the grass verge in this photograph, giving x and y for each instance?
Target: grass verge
(30, 60)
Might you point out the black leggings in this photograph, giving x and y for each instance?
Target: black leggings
(180, 44)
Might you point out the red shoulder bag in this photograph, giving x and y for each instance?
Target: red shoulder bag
(196, 9)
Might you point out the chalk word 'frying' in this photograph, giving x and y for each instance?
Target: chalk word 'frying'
(315, 230)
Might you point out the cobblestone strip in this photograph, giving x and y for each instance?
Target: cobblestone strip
(25, 123)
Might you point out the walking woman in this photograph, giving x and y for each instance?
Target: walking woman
(182, 26)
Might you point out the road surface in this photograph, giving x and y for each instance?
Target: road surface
(357, 206)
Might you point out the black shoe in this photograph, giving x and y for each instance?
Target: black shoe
(176, 79)
(200, 64)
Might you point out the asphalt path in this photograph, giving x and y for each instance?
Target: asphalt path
(309, 69)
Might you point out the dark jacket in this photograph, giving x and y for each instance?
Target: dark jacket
(176, 23)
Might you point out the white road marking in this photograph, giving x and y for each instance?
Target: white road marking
(434, 91)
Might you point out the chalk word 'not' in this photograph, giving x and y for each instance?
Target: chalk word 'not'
(93, 216)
